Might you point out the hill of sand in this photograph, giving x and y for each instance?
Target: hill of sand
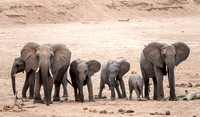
(62, 11)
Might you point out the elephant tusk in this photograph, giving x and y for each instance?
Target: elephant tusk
(37, 70)
(14, 75)
(50, 73)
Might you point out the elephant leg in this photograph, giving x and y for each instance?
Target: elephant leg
(159, 78)
(112, 85)
(118, 91)
(101, 89)
(90, 90)
(31, 84)
(57, 90)
(141, 91)
(37, 87)
(122, 87)
(155, 94)
(81, 96)
(64, 84)
(26, 85)
(130, 91)
(137, 92)
(75, 94)
(146, 85)
(172, 85)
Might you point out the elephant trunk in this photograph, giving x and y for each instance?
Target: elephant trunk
(81, 83)
(13, 72)
(44, 74)
(171, 83)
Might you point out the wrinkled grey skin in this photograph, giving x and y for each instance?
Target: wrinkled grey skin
(111, 74)
(19, 66)
(81, 73)
(158, 59)
(50, 61)
(136, 83)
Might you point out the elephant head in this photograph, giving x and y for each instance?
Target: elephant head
(115, 72)
(117, 69)
(18, 66)
(46, 60)
(164, 55)
(81, 72)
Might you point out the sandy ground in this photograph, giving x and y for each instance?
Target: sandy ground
(103, 41)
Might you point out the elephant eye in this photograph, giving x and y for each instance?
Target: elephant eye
(17, 65)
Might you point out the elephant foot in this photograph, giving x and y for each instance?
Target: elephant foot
(56, 99)
(65, 95)
(23, 96)
(147, 97)
(91, 100)
(37, 101)
(112, 99)
(99, 97)
(45, 102)
(161, 99)
(173, 98)
(30, 97)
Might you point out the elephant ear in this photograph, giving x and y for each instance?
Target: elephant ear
(62, 56)
(93, 67)
(73, 66)
(182, 52)
(28, 54)
(124, 67)
(152, 52)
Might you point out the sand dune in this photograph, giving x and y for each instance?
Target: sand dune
(62, 11)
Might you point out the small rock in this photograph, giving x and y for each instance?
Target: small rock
(110, 112)
(103, 112)
(186, 92)
(152, 113)
(167, 113)
(120, 110)
(129, 111)
(196, 85)
(85, 108)
(190, 85)
(94, 111)
(104, 97)
(143, 99)
(133, 72)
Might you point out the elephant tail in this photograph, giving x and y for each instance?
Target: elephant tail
(69, 82)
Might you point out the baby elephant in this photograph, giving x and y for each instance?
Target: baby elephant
(81, 72)
(111, 74)
(136, 83)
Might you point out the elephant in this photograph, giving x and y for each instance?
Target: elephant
(159, 59)
(50, 63)
(81, 72)
(136, 83)
(111, 74)
(17, 67)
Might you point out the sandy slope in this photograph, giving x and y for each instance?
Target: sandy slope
(61, 11)
(102, 41)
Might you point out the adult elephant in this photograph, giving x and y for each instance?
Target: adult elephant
(158, 59)
(81, 72)
(19, 66)
(111, 74)
(50, 61)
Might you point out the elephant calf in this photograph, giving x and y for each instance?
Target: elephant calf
(111, 74)
(136, 83)
(81, 72)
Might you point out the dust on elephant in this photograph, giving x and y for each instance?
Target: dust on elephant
(50, 61)
(81, 72)
(17, 67)
(111, 74)
(136, 83)
(158, 59)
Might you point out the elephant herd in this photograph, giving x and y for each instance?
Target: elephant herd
(48, 64)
